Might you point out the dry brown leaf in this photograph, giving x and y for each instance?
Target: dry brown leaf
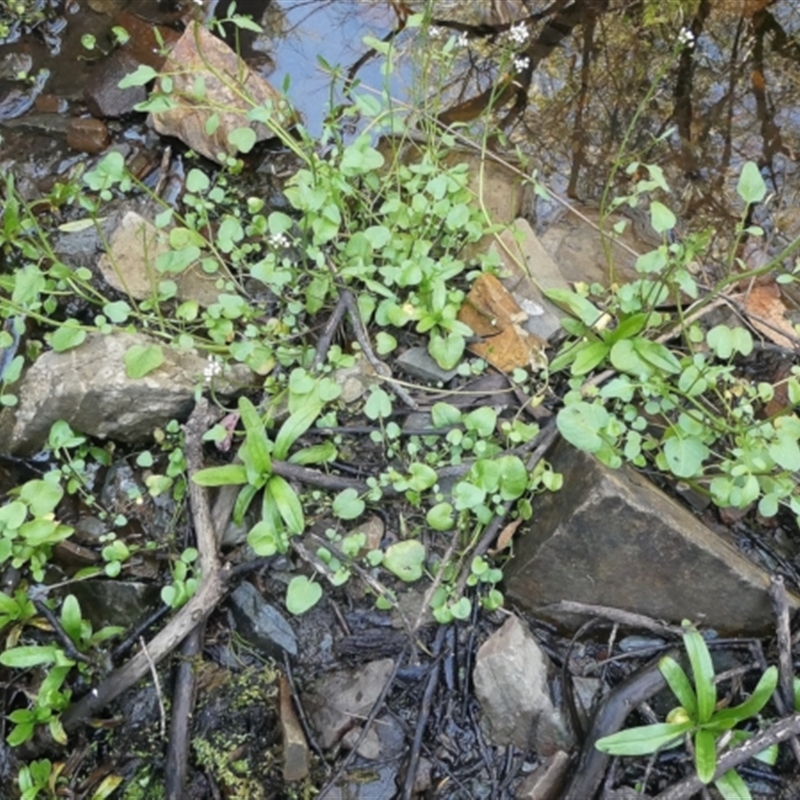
(494, 314)
(763, 304)
(505, 537)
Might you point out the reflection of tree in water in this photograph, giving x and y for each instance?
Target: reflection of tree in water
(728, 95)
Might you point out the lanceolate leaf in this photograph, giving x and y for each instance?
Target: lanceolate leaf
(295, 426)
(288, 504)
(702, 671)
(257, 443)
(679, 682)
(729, 717)
(644, 740)
(705, 755)
(228, 475)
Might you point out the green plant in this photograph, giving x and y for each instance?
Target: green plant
(698, 717)
(38, 779)
(28, 527)
(183, 585)
(677, 399)
(281, 510)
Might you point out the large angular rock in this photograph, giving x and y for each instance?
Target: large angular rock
(339, 700)
(511, 683)
(89, 388)
(610, 537)
(207, 76)
(529, 271)
(130, 264)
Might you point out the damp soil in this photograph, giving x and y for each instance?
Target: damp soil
(585, 91)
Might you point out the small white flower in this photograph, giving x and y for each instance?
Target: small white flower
(278, 240)
(686, 37)
(521, 63)
(211, 369)
(519, 33)
(462, 40)
(436, 32)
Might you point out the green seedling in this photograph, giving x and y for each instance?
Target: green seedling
(698, 718)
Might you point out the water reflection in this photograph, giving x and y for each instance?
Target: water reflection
(697, 88)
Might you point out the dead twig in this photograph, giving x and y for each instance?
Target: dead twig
(209, 593)
(177, 761)
(424, 714)
(625, 618)
(157, 683)
(609, 718)
(784, 698)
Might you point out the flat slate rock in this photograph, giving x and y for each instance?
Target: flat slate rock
(610, 537)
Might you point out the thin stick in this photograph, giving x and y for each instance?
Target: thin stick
(162, 713)
(424, 714)
(785, 695)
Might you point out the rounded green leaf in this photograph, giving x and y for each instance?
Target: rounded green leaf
(66, 337)
(441, 517)
(405, 559)
(242, 139)
(142, 359)
(580, 424)
(302, 595)
(661, 218)
(751, 187)
(348, 505)
(685, 455)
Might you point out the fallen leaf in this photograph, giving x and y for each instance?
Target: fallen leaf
(505, 537)
(495, 315)
(766, 312)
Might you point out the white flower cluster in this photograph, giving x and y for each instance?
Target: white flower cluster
(212, 368)
(519, 33)
(521, 63)
(686, 37)
(278, 240)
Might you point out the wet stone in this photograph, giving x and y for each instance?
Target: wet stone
(51, 104)
(511, 683)
(110, 602)
(89, 388)
(610, 537)
(338, 700)
(102, 93)
(261, 623)
(418, 363)
(88, 135)
(546, 781)
(296, 755)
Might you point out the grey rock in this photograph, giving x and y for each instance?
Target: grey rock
(130, 264)
(582, 254)
(417, 362)
(89, 388)
(511, 683)
(110, 602)
(262, 624)
(102, 93)
(339, 699)
(610, 537)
